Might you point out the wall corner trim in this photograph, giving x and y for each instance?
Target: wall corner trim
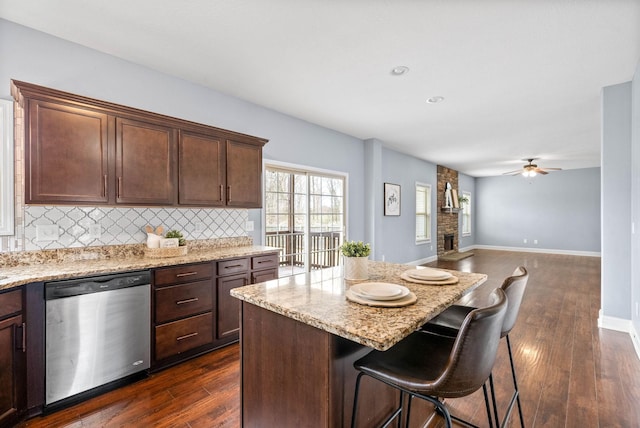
(635, 339)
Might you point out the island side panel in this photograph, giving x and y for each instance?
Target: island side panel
(297, 375)
(284, 371)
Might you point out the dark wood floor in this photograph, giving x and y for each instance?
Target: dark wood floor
(572, 374)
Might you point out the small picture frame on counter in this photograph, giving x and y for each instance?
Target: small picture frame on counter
(169, 243)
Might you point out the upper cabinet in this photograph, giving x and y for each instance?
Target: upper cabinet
(201, 161)
(145, 163)
(84, 151)
(65, 154)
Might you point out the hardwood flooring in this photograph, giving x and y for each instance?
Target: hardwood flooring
(571, 373)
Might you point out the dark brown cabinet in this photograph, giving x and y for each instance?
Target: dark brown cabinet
(183, 319)
(145, 170)
(264, 268)
(228, 307)
(244, 175)
(202, 165)
(65, 154)
(80, 150)
(12, 358)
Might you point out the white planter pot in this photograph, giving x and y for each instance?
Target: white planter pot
(355, 268)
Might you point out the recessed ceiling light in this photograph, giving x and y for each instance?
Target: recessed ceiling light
(435, 100)
(399, 70)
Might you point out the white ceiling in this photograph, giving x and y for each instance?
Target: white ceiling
(520, 78)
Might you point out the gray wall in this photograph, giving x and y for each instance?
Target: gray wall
(396, 240)
(560, 210)
(38, 58)
(635, 201)
(616, 201)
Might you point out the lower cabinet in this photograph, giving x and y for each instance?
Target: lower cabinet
(12, 358)
(183, 302)
(194, 311)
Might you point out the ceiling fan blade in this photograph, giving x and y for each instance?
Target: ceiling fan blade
(516, 172)
(541, 171)
(553, 169)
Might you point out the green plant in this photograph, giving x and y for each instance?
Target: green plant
(355, 249)
(463, 200)
(176, 234)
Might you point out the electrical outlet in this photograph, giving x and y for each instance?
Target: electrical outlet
(524, 241)
(47, 232)
(535, 242)
(383, 257)
(95, 231)
(249, 226)
(198, 227)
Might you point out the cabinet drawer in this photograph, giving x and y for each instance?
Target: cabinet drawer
(179, 274)
(265, 262)
(179, 301)
(264, 275)
(10, 302)
(180, 336)
(228, 267)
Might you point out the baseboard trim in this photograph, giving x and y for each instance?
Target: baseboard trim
(614, 323)
(635, 340)
(536, 250)
(423, 261)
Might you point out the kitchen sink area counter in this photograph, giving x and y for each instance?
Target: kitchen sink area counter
(49, 265)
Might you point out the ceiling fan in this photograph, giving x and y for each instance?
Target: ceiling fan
(531, 169)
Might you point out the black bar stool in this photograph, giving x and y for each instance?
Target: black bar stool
(429, 366)
(451, 319)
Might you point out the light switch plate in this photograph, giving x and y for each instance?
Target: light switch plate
(249, 226)
(47, 232)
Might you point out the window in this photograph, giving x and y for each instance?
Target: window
(305, 216)
(423, 213)
(466, 213)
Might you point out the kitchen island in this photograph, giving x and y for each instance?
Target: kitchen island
(299, 338)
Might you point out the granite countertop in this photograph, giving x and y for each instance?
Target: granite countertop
(318, 299)
(54, 268)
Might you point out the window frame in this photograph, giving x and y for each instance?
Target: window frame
(467, 213)
(427, 212)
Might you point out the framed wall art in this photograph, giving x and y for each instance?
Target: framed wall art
(391, 199)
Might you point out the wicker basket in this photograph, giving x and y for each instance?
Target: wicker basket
(158, 253)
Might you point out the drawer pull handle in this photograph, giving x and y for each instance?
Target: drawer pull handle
(180, 275)
(186, 336)
(233, 266)
(182, 302)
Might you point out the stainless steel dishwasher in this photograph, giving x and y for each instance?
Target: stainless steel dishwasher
(97, 332)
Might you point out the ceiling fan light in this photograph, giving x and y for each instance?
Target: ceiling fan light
(529, 173)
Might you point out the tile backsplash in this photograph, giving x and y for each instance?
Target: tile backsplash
(95, 226)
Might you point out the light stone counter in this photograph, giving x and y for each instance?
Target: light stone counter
(50, 265)
(318, 299)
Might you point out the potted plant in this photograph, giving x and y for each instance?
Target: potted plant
(356, 254)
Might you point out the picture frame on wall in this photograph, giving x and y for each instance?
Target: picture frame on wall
(391, 199)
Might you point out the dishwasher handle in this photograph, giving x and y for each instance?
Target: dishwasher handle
(77, 287)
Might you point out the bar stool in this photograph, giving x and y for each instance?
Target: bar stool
(429, 366)
(451, 319)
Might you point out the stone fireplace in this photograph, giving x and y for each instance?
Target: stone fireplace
(447, 219)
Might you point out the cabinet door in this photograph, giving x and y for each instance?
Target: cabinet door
(201, 170)
(244, 175)
(65, 154)
(12, 374)
(145, 163)
(227, 307)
